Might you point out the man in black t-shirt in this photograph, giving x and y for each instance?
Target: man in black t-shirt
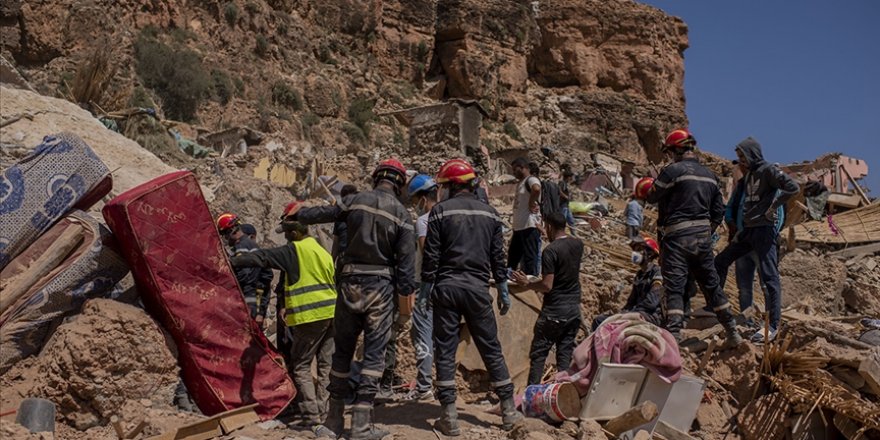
(560, 316)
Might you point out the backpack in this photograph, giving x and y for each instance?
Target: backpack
(550, 200)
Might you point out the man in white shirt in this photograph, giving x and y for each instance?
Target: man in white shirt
(526, 241)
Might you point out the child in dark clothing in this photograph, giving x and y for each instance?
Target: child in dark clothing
(647, 286)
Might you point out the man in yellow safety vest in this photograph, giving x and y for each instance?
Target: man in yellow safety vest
(310, 303)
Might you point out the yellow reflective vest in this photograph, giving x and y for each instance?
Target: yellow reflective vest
(313, 296)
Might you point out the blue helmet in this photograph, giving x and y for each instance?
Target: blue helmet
(421, 182)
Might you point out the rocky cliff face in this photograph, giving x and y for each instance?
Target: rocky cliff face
(578, 75)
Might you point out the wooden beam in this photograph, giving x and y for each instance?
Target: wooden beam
(45, 263)
(633, 417)
(706, 356)
(857, 250)
(238, 418)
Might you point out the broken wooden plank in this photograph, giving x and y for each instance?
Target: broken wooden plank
(49, 260)
(706, 356)
(238, 418)
(867, 249)
(201, 430)
(669, 433)
(117, 427)
(837, 338)
(633, 417)
(869, 369)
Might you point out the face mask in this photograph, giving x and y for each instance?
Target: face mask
(637, 257)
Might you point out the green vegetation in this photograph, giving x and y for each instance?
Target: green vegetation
(285, 95)
(512, 130)
(175, 74)
(360, 113)
(422, 51)
(230, 13)
(262, 47)
(354, 133)
(224, 88)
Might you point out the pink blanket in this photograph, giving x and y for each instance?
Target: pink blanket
(624, 339)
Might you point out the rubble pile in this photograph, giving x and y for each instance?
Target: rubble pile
(862, 288)
(110, 353)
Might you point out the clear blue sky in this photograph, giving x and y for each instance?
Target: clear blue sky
(801, 77)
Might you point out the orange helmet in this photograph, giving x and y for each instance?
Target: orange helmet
(390, 169)
(642, 187)
(227, 222)
(291, 208)
(680, 139)
(456, 171)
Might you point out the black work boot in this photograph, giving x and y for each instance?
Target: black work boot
(509, 414)
(733, 339)
(448, 422)
(362, 424)
(336, 416)
(674, 323)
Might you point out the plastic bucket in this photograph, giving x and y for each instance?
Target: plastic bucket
(554, 402)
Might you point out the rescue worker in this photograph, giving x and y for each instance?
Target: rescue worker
(633, 214)
(690, 209)
(377, 266)
(464, 247)
(423, 196)
(252, 281)
(560, 317)
(309, 306)
(766, 189)
(647, 289)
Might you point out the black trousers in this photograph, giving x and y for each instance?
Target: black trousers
(550, 332)
(450, 305)
(690, 251)
(364, 305)
(525, 247)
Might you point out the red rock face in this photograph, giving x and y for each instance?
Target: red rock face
(581, 75)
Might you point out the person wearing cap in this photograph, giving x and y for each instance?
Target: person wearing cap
(690, 208)
(560, 317)
(766, 189)
(423, 196)
(464, 247)
(377, 266)
(647, 289)
(251, 280)
(308, 276)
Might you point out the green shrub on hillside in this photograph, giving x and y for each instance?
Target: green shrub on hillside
(512, 130)
(262, 47)
(285, 95)
(224, 89)
(360, 113)
(230, 13)
(175, 74)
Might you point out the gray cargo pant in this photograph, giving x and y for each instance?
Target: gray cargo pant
(312, 340)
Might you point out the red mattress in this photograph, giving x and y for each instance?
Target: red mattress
(168, 237)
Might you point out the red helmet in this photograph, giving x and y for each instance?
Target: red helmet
(680, 139)
(642, 187)
(456, 171)
(291, 208)
(227, 222)
(651, 244)
(392, 170)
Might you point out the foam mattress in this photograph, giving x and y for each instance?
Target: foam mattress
(60, 174)
(167, 235)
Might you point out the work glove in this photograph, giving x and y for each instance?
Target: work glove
(423, 297)
(503, 298)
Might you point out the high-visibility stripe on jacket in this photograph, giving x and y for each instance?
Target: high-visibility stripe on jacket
(313, 296)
